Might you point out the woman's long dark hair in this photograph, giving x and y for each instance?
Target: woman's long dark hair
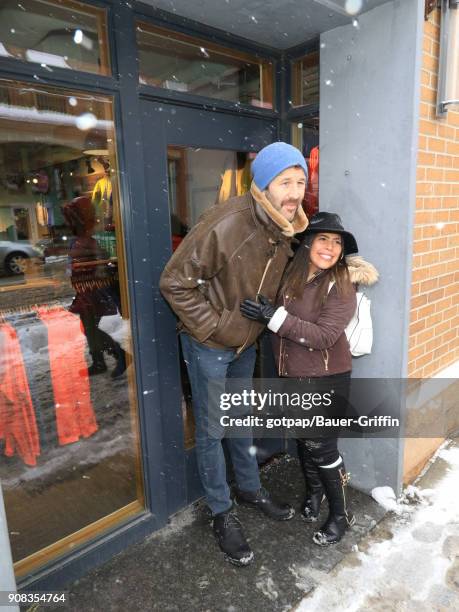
(296, 275)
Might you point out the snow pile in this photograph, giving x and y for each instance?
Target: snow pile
(418, 566)
(385, 497)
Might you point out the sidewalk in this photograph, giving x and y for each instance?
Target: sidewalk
(403, 560)
(410, 561)
(181, 567)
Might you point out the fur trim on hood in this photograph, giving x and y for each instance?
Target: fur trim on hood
(360, 271)
(300, 221)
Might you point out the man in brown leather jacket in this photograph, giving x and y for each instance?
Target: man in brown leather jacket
(237, 250)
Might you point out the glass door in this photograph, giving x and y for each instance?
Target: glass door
(199, 178)
(201, 159)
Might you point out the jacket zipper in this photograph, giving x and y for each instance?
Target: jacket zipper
(268, 263)
(324, 353)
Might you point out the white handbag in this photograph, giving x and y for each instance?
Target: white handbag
(359, 332)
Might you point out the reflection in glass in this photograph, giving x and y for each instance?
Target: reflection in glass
(54, 33)
(181, 63)
(305, 136)
(69, 460)
(305, 80)
(199, 179)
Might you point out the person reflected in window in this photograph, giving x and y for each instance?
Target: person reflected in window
(96, 289)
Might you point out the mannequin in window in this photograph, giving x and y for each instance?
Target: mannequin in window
(311, 196)
(102, 198)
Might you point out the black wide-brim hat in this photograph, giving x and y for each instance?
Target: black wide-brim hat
(331, 223)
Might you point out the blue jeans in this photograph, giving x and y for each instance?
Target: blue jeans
(205, 364)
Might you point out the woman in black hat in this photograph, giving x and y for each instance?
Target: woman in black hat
(316, 303)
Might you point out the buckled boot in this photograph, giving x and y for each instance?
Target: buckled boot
(230, 537)
(262, 499)
(314, 489)
(339, 519)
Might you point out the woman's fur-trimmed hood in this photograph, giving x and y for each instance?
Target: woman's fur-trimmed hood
(300, 221)
(360, 271)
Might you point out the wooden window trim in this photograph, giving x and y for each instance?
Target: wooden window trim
(198, 42)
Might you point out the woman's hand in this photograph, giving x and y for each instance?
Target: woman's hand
(261, 311)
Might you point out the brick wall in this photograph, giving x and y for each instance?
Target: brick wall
(434, 320)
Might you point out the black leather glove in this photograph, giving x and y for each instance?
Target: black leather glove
(261, 311)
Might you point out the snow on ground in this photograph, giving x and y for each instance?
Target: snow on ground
(176, 524)
(417, 569)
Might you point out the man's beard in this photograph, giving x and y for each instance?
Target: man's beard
(279, 207)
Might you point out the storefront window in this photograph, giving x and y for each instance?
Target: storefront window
(181, 63)
(69, 446)
(199, 179)
(55, 33)
(305, 137)
(305, 80)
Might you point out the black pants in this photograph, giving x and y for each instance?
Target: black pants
(98, 340)
(324, 450)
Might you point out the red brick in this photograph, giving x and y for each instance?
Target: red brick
(451, 147)
(443, 304)
(429, 285)
(434, 320)
(424, 336)
(435, 295)
(423, 246)
(417, 327)
(445, 161)
(425, 311)
(438, 243)
(427, 127)
(442, 189)
(435, 144)
(426, 159)
(450, 313)
(425, 217)
(452, 176)
(431, 203)
(429, 63)
(445, 131)
(424, 188)
(435, 174)
(430, 258)
(445, 280)
(418, 301)
(447, 255)
(424, 360)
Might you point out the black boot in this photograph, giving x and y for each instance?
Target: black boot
(261, 499)
(120, 367)
(230, 537)
(98, 365)
(339, 519)
(314, 489)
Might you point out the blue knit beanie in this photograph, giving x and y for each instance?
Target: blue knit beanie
(274, 159)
